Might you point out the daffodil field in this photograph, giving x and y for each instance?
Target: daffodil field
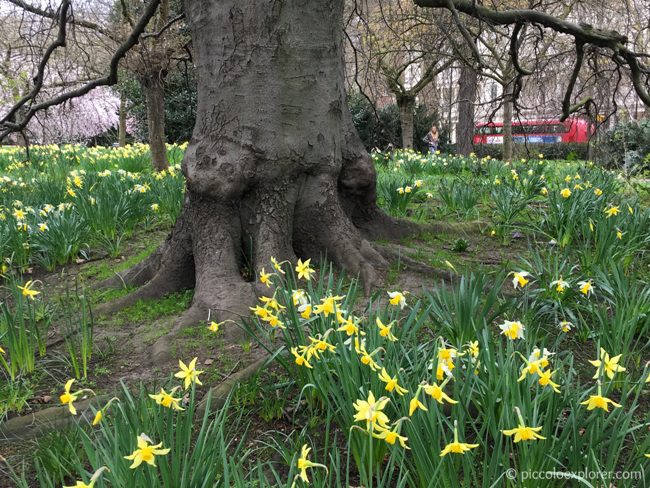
(520, 358)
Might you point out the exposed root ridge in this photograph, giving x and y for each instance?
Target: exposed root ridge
(394, 255)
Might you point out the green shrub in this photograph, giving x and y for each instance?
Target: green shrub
(571, 151)
(627, 147)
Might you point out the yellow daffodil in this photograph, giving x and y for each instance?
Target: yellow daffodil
(437, 393)
(390, 436)
(67, 398)
(619, 234)
(188, 373)
(327, 305)
(544, 191)
(418, 183)
(265, 278)
(271, 302)
(598, 192)
(303, 269)
(473, 349)
(366, 358)
(397, 298)
(611, 211)
(519, 279)
(523, 433)
(545, 380)
(391, 382)
(457, 447)
(512, 329)
(609, 365)
(598, 401)
(299, 297)
(98, 417)
(304, 464)
(586, 287)
(300, 358)
(277, 266)
(565, 326)
(349, 327)
(42, 227)
(167, 400)
(371, 412)
(385, 330)
(146, 452)
(261, 312)
(321, 344)
(560, 285)
(415, 403)
(93, 479)
(27, 290)
(566, 193)
(274, 321)
(531, 368)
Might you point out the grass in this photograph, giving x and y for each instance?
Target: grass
(103, 269)
(150, 310)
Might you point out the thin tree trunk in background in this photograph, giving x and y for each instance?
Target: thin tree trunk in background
(406, 106)
(507, 122)
(121, 128)
(154, 91)
(467, 87)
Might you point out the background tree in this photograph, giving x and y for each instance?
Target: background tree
(150, 62)
(401, 48)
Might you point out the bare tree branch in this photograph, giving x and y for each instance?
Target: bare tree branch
(52, 14)
(60, 41)
(583, 34)
(8, 126)
(162, 30)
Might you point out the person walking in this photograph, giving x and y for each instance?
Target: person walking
(432, 139)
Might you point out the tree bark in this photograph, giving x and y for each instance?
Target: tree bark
(154, 91)
(274, 167)
(121, 128)
(406, 105)
(467, 87)
(507, 121)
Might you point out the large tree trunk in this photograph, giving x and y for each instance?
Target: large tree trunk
(507, 121)
(275, 167)
(406, 105)
(154, 91)
(467, 86)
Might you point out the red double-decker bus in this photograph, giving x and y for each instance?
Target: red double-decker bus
(535, 131)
